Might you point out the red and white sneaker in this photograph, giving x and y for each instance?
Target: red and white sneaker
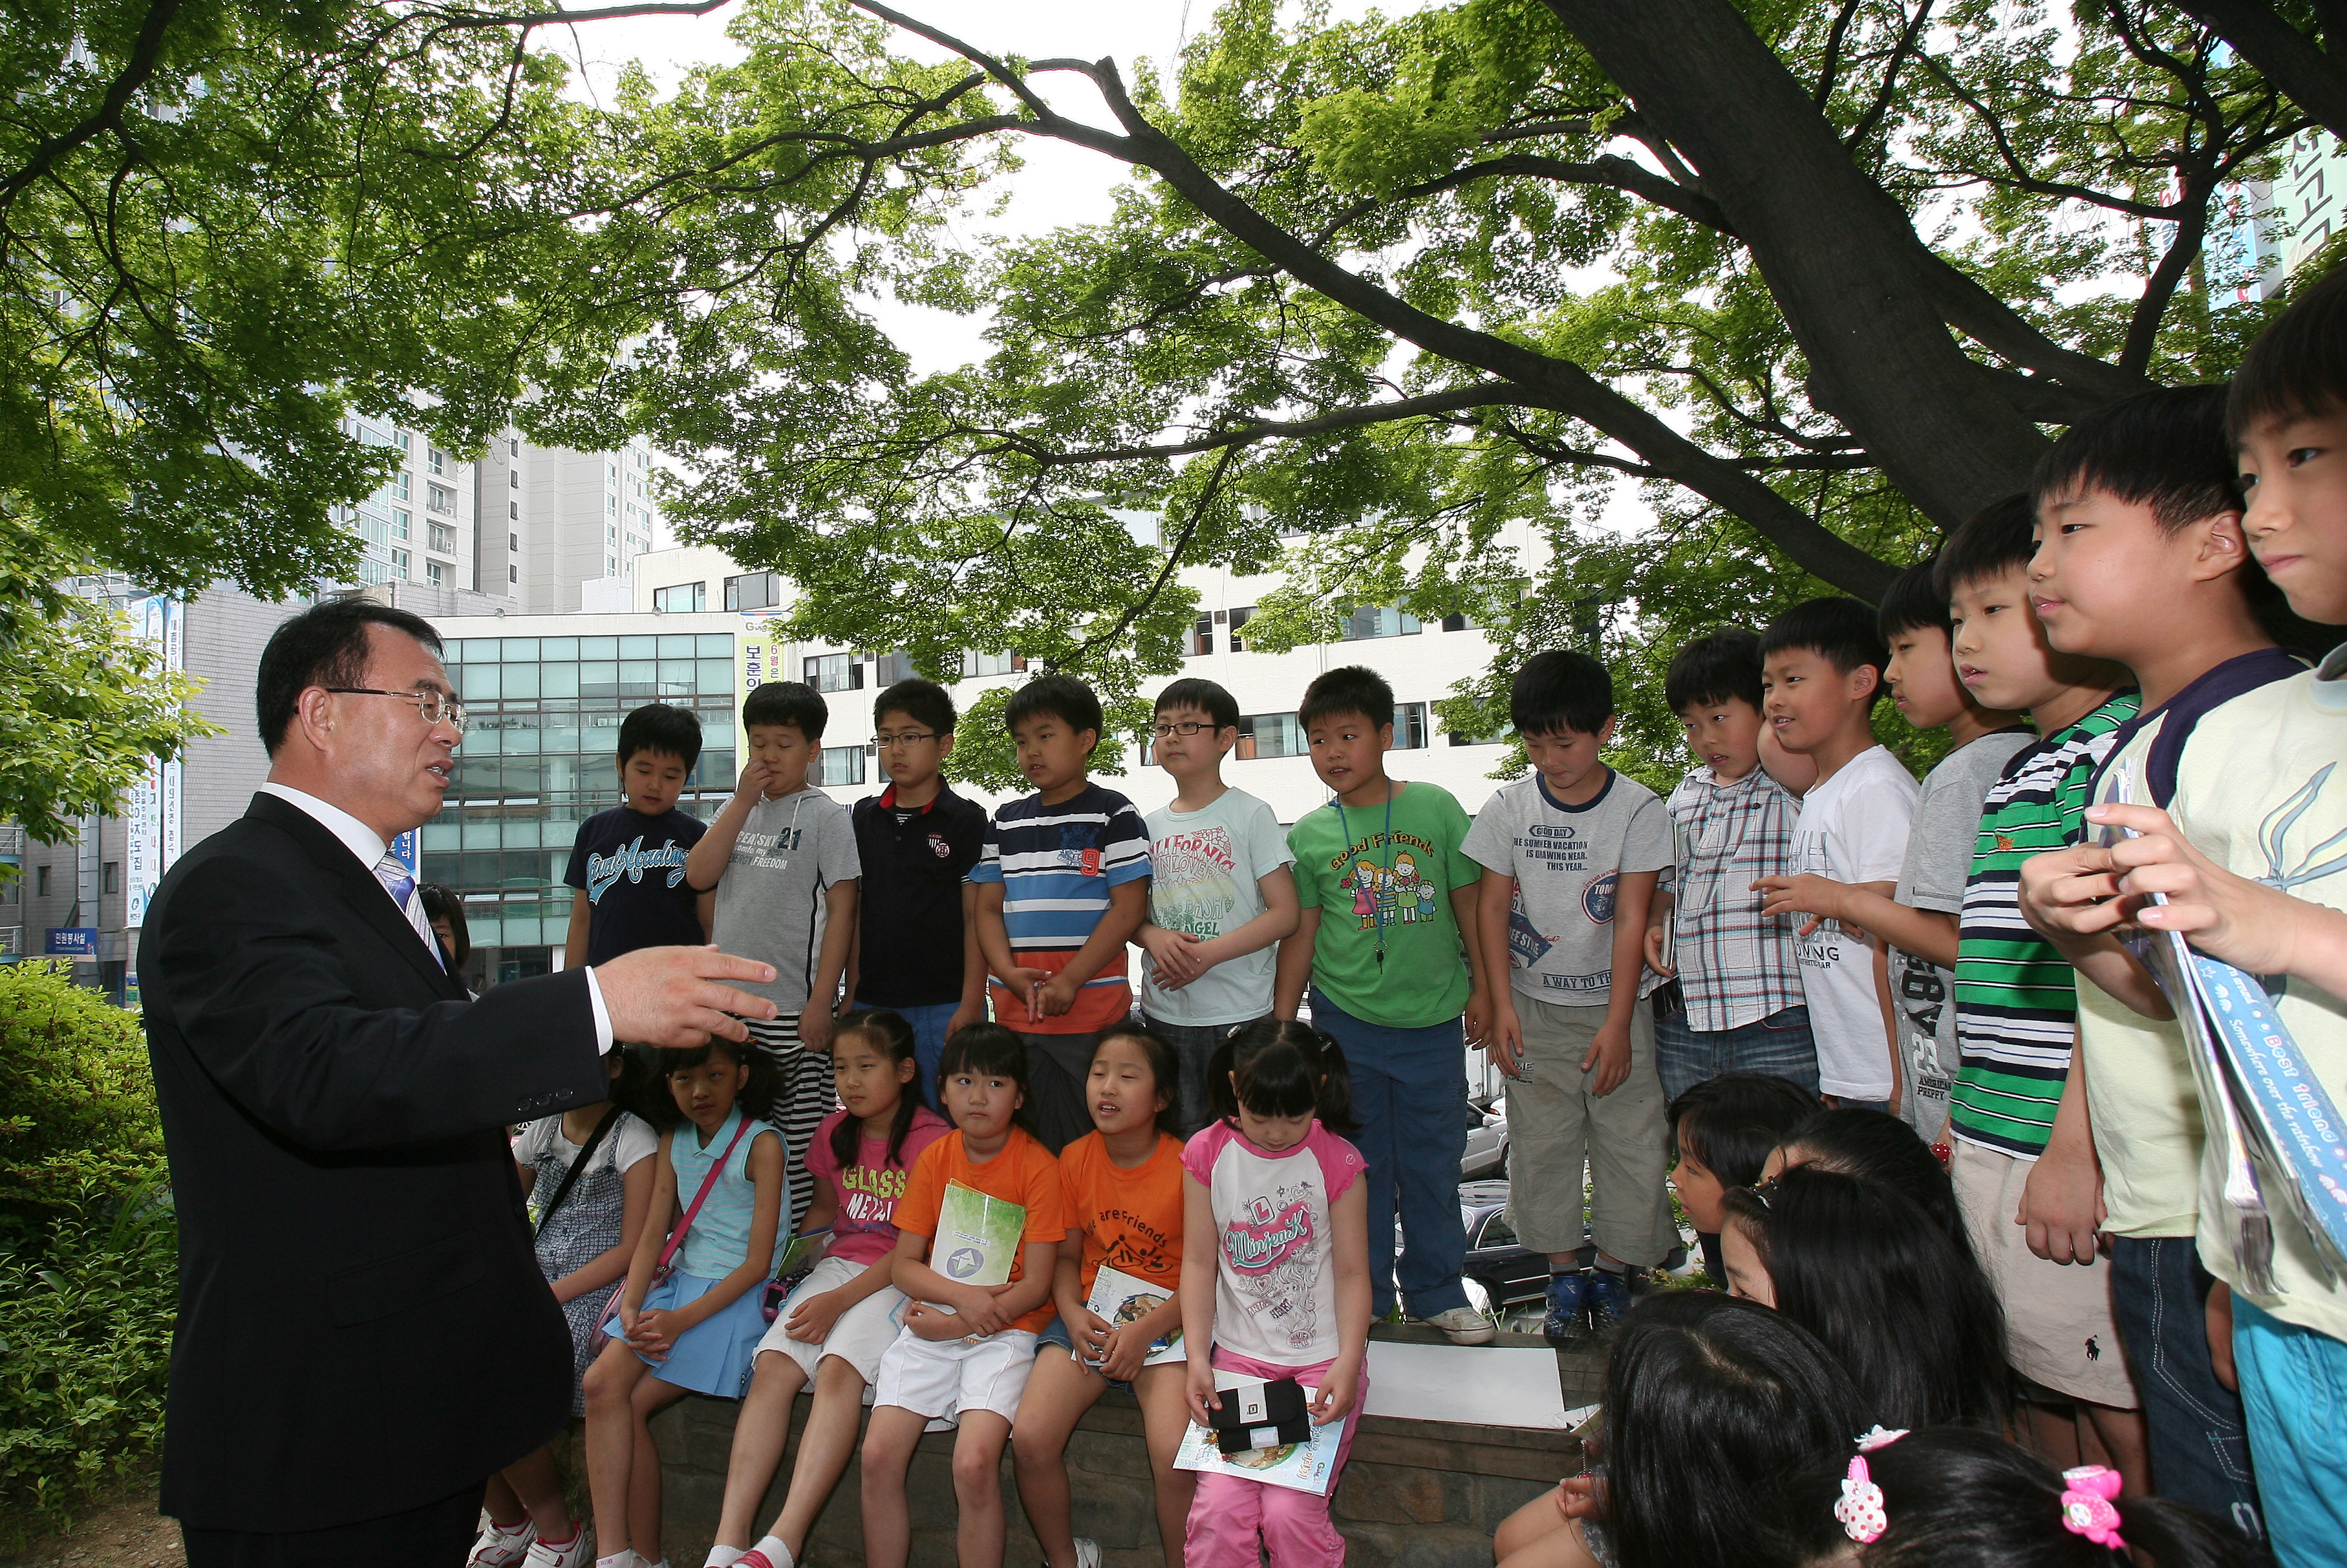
(497, 1548)
(570, 1553)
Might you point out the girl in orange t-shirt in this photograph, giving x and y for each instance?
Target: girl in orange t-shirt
(1123, 1183)
(966, 1351)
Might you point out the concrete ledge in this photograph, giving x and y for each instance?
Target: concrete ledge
(1428, 1494)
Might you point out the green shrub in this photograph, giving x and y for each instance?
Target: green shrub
(85, 1349)
(77, 1118)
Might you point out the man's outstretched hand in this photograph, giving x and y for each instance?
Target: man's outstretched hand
(677, 996)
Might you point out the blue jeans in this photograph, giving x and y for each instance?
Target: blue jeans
(1779, 1044)
(1193, 1046)
(2294, 1392)
(1409, 1095)
(929, 1044)
(2199, 1445)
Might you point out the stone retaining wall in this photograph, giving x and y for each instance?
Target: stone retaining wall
(1425, 1494)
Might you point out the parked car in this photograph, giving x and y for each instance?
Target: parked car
(1487, 1140)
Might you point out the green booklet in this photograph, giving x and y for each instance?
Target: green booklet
(799, 1254)
(977, 1236)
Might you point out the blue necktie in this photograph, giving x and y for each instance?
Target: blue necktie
(392, 874)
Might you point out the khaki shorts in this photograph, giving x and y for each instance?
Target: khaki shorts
(2057, 1316)
(1557, 1129)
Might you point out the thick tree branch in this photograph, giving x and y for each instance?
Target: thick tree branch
(2315, 79)
(138, 69)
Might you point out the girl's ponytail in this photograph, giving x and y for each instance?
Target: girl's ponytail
(1278, 1066)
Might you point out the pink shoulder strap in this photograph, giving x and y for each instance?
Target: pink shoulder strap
(676, 1236)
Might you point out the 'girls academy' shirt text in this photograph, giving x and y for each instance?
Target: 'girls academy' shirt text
(1275, 1282)
(1056, 865)
(864, 1229)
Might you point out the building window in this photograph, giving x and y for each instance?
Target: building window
(1409, 726)
(402, 522)
(891, 667)
(682, 598)
(513, 446)
(1202, 637)
(436, 460)
(611, 505)
(110, 877)
(444, 539)
(1379, 620)
(611, 534)
(1240, 618)
(1269, 735)
(610, 567)
(1459, 623)
(611, 470)
(513, 513)
(513, 574)
(436, 574)
(754, 590)
(974, 663)
(513, 478)
(439, 498)
(41, 882)
(836, 673)
(513, 542)
(399, 486)
(839, 765)
(404, 439)
(399, 565)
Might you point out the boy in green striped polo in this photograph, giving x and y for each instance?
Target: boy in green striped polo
(2015, 1161)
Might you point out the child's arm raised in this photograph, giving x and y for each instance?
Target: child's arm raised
(1503, 1034)
(1348, 1220)
(636, 1202)
(766, 1176)
(1867, 906)
(1609, 1053)
(831, 961)
(1201, 1252)
(1292, 972)
(1128, 906)
(704, 863)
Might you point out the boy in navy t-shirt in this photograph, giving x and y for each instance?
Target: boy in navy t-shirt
(628, 863)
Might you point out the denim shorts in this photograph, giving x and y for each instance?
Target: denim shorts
(1056, 1333)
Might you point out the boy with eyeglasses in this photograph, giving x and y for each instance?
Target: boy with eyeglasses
(1221, 896)
(917, 932)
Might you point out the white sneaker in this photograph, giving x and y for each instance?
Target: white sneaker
(1087, 1554)
(498, 1548)
(1464, 1325)
(571, 1553)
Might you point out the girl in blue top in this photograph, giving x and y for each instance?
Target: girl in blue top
(698, 1327)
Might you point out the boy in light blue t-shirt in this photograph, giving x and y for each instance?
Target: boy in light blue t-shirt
(1221, 895)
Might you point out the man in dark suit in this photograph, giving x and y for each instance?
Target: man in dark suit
(363, 1335)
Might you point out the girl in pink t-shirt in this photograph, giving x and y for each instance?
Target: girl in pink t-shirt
(1285, 1290)
(846, 1313)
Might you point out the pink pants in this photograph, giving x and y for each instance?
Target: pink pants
(1232, 1513)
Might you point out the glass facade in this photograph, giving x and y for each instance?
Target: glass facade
(541, 755)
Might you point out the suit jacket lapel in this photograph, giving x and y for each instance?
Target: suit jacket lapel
(359, 885)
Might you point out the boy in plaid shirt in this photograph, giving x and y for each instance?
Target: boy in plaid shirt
(1740, 977)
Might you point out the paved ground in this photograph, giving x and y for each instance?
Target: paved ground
(126, 1533)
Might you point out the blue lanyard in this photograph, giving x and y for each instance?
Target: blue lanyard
(1376, 904)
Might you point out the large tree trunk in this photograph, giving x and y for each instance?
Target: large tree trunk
(1837, 255)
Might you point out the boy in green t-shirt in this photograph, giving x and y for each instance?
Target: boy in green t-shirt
(1388, 902)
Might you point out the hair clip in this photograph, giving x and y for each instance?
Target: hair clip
(1879, 1436)
(2087, 1505)
(1861, 1509)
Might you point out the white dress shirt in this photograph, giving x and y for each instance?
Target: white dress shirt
(369, 847)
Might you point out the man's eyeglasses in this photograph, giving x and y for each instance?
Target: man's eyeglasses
(435, 706)
(1187, 727)
(904, 737)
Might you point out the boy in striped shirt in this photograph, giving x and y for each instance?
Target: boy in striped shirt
(2014, 1161)
(1062, 884)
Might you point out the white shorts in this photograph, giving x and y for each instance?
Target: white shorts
(939, 1379)
(862, 1334)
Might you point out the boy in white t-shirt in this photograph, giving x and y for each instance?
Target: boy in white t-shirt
(1822, 667)
(1571, 856)
(1221, 896)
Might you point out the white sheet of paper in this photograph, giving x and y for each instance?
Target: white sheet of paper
(1505, 1387)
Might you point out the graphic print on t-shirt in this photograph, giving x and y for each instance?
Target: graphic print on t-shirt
(1396, 894)
(634, 862)
(1271, 1247)
(1197, 885)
